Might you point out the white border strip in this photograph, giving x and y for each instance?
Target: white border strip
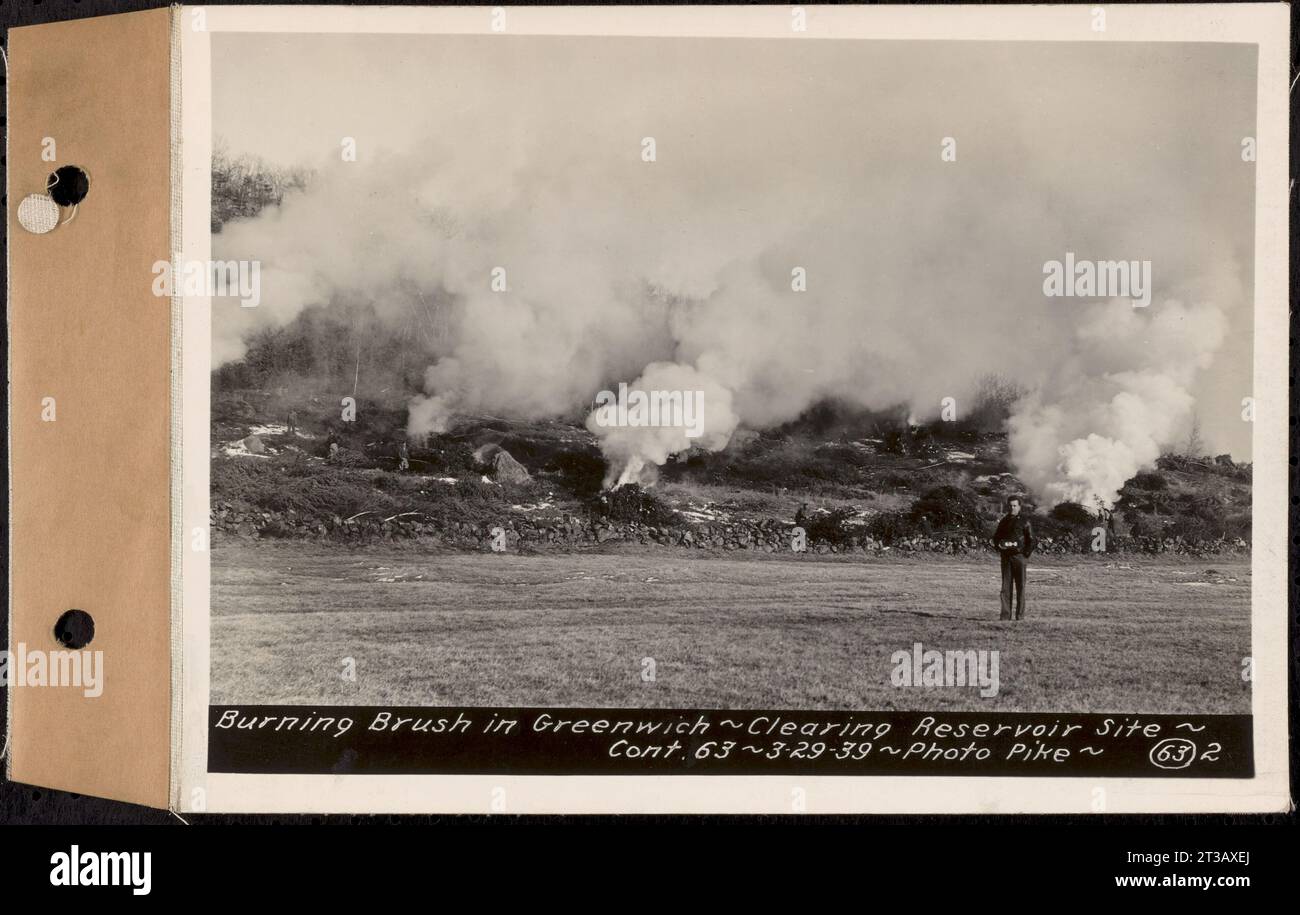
(196, 361)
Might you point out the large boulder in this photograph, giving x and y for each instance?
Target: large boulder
(507, 470)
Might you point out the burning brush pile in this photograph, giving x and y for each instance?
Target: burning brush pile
(547, 486)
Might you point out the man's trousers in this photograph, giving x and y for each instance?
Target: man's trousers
(1013, 578)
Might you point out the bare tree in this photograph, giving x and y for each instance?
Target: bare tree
(243, 184)
(995, 395)
(1195, 447)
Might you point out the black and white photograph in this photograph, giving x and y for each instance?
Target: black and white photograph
(732, 374)
(897, 395)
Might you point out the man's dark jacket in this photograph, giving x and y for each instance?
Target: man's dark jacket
(1015, 527)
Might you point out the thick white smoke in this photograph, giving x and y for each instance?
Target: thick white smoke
(597, 304)
(1112, 408)
(704, 420)
(788, 244)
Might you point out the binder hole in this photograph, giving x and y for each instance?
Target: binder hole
(74, 629)
(68, 185)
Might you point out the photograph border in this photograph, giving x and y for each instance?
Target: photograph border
(1265, 25)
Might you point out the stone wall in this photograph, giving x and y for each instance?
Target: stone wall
(575, 532)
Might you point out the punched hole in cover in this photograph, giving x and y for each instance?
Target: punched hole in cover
(74, 629)
(68, 185)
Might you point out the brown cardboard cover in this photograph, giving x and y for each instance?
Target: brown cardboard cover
(90, 510)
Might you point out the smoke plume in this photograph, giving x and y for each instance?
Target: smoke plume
(1110, 410)
(785, 248)
(633, 452)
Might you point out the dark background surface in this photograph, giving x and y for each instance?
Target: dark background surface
(24, 804)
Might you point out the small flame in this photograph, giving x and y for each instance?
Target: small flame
(631, 472)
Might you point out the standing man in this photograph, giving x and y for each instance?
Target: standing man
(1014, 539)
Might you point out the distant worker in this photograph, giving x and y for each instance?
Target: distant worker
(293, 422)
(1014, 539)
(403, 456)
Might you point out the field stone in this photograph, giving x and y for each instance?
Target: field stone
(507, 470)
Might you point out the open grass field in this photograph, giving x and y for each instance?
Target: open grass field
(1104, 634)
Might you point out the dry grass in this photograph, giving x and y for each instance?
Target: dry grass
(779, 632)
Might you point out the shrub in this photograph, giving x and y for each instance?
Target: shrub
(1142, 526)
(947, 507)
(449, 459)
(1073, 514)
(347, 457)
(1191, 528)
(1047, 525)
(1150, 481)
(829, 527)
(844, 454)
(1236, 525)
(232, 408)
(581, 473)
(632, 503)
(792, 465)
(473, 490)
(265, 485)
(890, 526)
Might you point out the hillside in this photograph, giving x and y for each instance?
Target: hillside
(854, 479)
(878, 485)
